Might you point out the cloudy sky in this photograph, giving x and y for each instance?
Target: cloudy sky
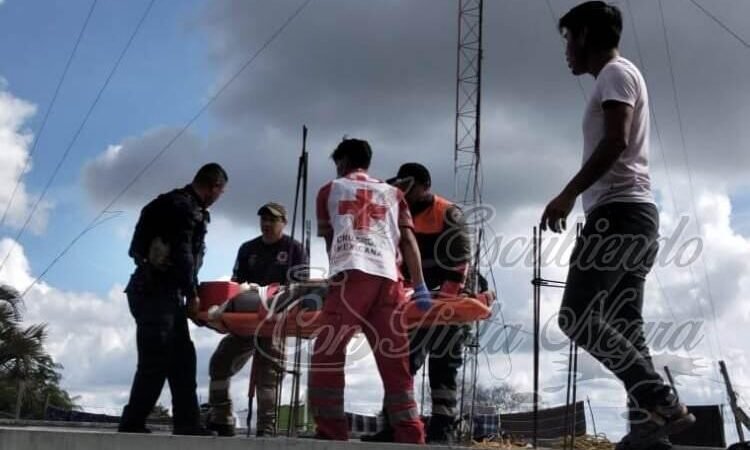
(383, 71)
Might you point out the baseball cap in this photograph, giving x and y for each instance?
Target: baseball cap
(272, 209)
(412, 171)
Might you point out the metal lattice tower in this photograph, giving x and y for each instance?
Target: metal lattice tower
(466, 170)
(468, 107)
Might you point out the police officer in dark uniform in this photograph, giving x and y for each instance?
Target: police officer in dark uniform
(444, 245)
(272, 257)
(168, 247)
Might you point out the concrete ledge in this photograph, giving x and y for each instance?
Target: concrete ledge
(41, 438)
(38, 438)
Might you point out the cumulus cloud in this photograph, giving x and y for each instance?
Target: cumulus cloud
(15, 144)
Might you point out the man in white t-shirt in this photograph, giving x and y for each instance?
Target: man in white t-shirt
(603, 301)
(368, 229)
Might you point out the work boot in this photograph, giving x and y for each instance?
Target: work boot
(440, 430)
(384, 435)
(666, 418)
(222, 429)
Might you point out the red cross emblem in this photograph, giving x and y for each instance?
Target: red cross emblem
(363, 209)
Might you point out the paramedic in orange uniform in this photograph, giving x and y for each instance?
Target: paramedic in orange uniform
(443, 240)
(367, 228)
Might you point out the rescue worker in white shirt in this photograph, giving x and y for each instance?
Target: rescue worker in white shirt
(444, 245)
(272, 257)
(367, 228)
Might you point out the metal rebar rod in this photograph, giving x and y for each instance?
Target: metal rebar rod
(566, 422)
(575, 390)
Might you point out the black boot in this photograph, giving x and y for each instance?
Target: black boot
(130, 425)
(384, 435)
(198, 430)
(222, 429)
(440, 429)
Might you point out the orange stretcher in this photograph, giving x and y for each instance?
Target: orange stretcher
(304, 322)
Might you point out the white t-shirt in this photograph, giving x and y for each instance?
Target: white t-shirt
(628, 179)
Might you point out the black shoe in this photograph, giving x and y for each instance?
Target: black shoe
(443, 439)
(222, 429)
(663, 420)
(322, 437)
(662, 444)
(194, 431)
(440, 430)
(385, 435)
(126, 429)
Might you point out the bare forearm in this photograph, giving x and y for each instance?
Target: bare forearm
(329, 240)
(412, 258)
(605, 155)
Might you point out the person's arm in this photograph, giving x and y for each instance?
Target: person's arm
(618, 90)
(618, 118)
(184, 221)
(325, 230)
(458, 252)
(412, 257)
(239, 270)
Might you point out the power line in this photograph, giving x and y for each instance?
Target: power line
(670, 184)
(169, 144)
(100, 221)
(666, 298)
(77, 133)
(489, 226)
(690, 175)
(652, 107)
(720, 23)
(47, 112)
(662, 151)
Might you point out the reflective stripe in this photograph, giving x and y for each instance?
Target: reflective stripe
(444, 394)
(397, 398)
(328, 411)
(394, 417)
(218, 385)
(444, 410)
(334, 393)
(221, 412)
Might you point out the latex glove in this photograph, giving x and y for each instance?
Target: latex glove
(422, 297)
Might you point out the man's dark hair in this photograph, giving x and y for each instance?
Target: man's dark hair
(602, 23)
(356, 152)
(210, 175)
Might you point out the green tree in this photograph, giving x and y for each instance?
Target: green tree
(29, 378)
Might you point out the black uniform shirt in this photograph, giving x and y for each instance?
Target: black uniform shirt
(261, 263)
(179, 219)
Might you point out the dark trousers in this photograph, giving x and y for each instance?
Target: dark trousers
(442, 346)
(603, 300)
(165, 353)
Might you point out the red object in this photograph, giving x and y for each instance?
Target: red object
(444, 311)
(363, 209)
(216, 293)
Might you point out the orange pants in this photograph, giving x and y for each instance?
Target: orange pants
(359, 301)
